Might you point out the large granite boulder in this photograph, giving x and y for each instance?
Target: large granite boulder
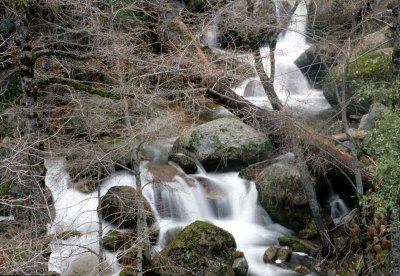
(374, 67)
(119, 207)
(282, 196)
(201, 248)
(224, 143)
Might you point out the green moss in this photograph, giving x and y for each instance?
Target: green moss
(374, 67)
(250, 146)
(127, 272)
(223, 129)
(194, 140)
(4, 188)
(115, 240)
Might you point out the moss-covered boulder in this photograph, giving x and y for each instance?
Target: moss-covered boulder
(373, 67)
(119, 207)
(201, 248)
(116, 240)
(297, 245)
(282, 196)
(224, 143)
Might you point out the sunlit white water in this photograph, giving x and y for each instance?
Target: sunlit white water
(223, 199)
(290, 84)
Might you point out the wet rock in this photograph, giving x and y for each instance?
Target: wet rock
(240, 265)
(119, 207)
(163, 173)
(270, 254)
(224, 143)
(187, 163)
(202, 248)
(281, 194)
(311, 65)
(277, 255)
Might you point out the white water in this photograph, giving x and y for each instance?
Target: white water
(338, 207)
(223, 199)
(226, 201)
(290, 84)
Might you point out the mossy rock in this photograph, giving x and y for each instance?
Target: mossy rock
(115, 240)
(202, 248)
(295, 244)
(374, 67)
(127, 272)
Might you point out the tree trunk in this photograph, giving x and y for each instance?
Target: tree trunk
(327, 247)
(266, 81)
(34, 163)
(396, 39)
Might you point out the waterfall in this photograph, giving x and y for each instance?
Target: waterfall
(223, 199)
(338, 207)
(291, 86)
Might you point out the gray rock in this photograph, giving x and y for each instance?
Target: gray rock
(282, 196)
(240, 266)
(187, 163)
(119, 207)
(368, 120)
(311, 65)
(224, 143)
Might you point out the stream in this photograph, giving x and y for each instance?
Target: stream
(223, 199)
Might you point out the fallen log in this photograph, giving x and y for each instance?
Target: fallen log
(282, 129)
(356, 133)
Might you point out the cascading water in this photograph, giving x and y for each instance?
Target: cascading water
(290, 84)
(223, 199)
(338, 207)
